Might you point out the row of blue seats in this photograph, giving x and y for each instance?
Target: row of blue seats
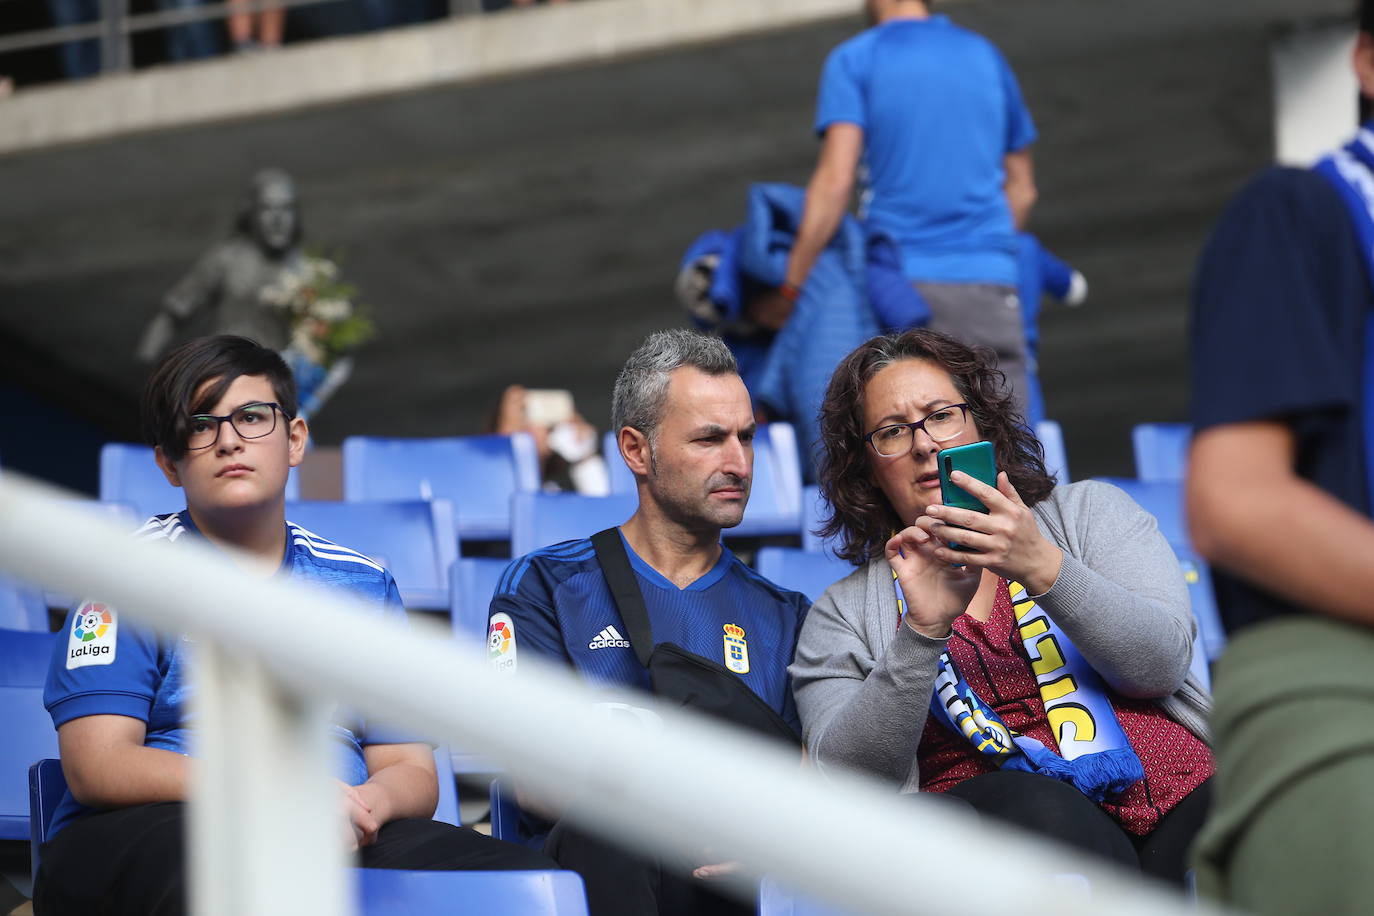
(480, 474)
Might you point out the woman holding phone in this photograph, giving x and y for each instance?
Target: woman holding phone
(1039, 672)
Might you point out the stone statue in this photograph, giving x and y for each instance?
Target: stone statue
(230, 278)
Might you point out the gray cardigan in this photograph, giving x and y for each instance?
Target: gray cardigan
(863, 685)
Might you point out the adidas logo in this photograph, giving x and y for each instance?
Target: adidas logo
(609, 638)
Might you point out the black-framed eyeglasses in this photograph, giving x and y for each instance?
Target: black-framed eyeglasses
(897, 439)
(251, 421)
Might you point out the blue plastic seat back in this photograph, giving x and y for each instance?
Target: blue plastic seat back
(478, 474)
(128, 474)
(1161, 498)
(413, 539)
(800, 570)
(27, 729)
(391, 892)
(22, 606)
(776, 900)
(1161, 450)
(473, 583)
(815, 510)
(540, 519)
(775, 496)
(1198, 577)
(1051, 438)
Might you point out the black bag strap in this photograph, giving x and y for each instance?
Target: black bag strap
(629, 600)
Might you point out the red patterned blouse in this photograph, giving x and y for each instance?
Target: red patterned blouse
(991, 658)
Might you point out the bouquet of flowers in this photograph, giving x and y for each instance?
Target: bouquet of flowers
(325, 322)
(326, 326)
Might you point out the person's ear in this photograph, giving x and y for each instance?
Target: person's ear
(165, 465)
(1363, 60)
(634, 448)
(298, 436)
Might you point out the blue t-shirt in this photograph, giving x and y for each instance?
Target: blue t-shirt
(555, 603)
(108, 665)
(940, 109)
(1279, 309)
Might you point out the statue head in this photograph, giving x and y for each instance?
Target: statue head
(270, 214)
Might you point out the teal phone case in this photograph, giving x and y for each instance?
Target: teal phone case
(976, 460)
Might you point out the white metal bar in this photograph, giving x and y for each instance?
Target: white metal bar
(692, 785)
(265, 827)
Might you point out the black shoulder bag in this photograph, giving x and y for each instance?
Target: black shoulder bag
(682, 678)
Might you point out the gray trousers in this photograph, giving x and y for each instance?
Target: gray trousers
(983, 314)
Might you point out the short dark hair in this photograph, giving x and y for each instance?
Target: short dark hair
(169, 396)
(859, 512)
(1366, 14)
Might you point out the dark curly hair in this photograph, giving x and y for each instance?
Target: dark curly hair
(859, 512)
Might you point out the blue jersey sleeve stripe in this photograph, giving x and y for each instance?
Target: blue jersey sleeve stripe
(567, 552)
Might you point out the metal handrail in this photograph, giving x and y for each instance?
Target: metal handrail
(116, 25)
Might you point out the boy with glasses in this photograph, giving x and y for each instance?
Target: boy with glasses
(221, 413)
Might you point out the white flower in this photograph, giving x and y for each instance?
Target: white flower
(331, 310)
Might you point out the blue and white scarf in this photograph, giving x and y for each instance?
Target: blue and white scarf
(1095, 755)
(1350, 170)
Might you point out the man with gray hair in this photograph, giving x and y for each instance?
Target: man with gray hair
(686, 430)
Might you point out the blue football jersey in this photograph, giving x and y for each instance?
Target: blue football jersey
(555, 603)
(108, 665)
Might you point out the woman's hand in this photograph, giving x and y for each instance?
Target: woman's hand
(935, 589)
(1007, 538)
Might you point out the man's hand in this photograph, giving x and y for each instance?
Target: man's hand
(935, 590)
(770, 310)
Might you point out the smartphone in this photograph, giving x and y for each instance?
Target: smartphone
(976, 460)
(548, 406)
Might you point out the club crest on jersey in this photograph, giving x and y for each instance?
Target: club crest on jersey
(501, 649)
(736, 649)
(92, 638)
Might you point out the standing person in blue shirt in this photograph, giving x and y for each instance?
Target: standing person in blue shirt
(221, 412)
(686, 429)
(932, 117)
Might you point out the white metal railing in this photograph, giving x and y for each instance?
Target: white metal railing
(274, 655)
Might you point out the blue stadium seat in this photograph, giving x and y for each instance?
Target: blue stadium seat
(22, 606)
(775, 497)
(1161, 450)
(776, 900)
(540, 519)
(478, 473)
(128, 474)
(814, 511)
(412, 538)
(383, 892)
(1161, 498)
(386, 892)
(447, 808)
(1198, 577)
(472, 582)
(24, 723)
(1051, 437)
(801, 570)
(471, 586)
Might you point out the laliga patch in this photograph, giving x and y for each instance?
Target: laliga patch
(92, 637)
(501, 643)
(736, 649)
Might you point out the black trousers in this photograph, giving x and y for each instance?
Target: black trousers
(132, 861)
(621, 884)
(1056, 809)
